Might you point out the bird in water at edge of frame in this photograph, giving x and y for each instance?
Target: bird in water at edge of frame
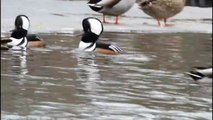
(198, 73)
(4, 41)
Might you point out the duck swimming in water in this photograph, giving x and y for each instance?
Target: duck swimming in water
(20, 36)
(93, 29)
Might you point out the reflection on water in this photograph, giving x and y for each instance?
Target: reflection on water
(148, 82)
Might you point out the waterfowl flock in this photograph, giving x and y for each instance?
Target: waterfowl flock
(93, 27)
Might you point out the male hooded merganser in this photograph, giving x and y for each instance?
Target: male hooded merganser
(162, 9)
(111, 7)
(20, 36)
(200, 72)
(93, 28)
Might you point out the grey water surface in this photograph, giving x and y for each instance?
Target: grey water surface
(146, 83)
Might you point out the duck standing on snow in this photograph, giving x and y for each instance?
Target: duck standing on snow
(162, 9)
(111, 7)
(200, 72)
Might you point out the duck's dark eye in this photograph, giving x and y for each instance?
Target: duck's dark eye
(86, 26)
(145, 3)
(88, 30)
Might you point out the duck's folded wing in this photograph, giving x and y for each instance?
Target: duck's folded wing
(33, 37)
(108, 3)
(109, 47)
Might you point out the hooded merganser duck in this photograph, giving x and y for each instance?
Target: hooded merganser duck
(20, 36)
(162, 9)
(111, 7)
(200, 72)
(93, 28)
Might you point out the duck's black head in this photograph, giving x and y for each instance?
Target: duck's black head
(22, 24)
(93, 28)
(92, 3)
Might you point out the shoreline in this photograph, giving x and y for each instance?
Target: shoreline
(65, 19)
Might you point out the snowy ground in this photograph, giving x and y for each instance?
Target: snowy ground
(65, 17)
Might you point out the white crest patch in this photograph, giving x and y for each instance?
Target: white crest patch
(96, 26)
(84, 46)
(26, 23)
